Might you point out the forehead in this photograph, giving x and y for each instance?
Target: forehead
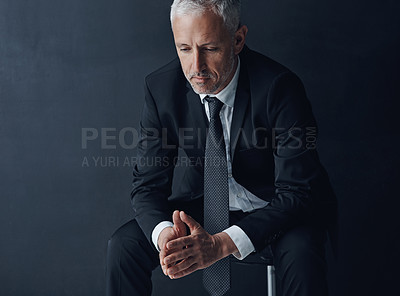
(206, 27)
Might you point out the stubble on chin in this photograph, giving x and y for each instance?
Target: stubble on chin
(201, 88)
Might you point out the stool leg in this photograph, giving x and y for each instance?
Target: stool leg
(271, 280)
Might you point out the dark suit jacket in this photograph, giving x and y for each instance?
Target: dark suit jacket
(273, 151)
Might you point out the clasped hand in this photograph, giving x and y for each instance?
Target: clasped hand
(182, 254)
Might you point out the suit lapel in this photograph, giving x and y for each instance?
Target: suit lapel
(239, 111)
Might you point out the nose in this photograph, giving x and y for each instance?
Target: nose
(198, 62)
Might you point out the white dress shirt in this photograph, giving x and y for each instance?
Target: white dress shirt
(239, 197)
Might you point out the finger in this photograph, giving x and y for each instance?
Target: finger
(174, 257)
(181, 266)
(185, 272)
(175, 248)
(165, 253)
(161, 256)
(165, 268)
(179, 226)
(189, 221)
(180, 243)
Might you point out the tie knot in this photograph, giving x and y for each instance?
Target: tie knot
(214, 106)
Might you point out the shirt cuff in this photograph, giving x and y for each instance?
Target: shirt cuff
(241, 240)
(157, 230)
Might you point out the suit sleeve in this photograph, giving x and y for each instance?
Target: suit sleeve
(153, 172)
(297, 167)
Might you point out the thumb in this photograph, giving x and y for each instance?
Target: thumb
(189, 221)
(179, 226)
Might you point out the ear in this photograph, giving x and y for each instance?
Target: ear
(240, 39)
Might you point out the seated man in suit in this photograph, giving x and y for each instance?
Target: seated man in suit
(253, 178)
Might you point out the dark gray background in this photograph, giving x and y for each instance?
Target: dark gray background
(68, 65)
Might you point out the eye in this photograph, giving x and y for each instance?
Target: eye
(211, 49)
(184, 49)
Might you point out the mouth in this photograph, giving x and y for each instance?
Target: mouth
(200, 79)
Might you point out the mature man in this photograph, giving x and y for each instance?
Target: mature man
(254, 179)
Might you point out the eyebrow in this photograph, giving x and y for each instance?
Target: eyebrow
(201, 45)
(181, 44)
(210, 43)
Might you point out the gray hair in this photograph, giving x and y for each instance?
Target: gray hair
(229, 10)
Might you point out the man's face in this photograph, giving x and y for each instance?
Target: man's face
(206, 51)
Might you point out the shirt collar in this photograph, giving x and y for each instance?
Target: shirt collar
(227, 95)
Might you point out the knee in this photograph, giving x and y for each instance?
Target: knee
(123, 253)
(121, 245)
(128, 244)
(300, 252)
(116, 241)
(115, 247)
(115, 244)
(300, 262)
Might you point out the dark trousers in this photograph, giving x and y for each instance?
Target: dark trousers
(299, 260)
